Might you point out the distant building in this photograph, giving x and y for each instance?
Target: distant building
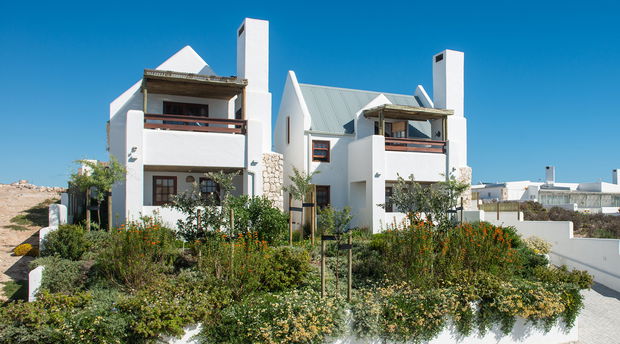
(596, 197)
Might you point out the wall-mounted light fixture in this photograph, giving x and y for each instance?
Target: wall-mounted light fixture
(377, 175)
(190, 179)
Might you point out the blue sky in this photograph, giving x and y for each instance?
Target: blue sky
(541, 78)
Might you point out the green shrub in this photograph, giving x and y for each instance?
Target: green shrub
(287, 268)
(297, 316)
(168, 305)
(554, 275)
(97, 241)
(257, 214)
(248, 265)
(61, 275)
(138, 253)
(67, 242)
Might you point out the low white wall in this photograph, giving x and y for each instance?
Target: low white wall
(57, 215)
(600, 257)
(34, 282)
(522, 333)
(168, 216)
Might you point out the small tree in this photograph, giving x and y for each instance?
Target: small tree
(101, 177)
(434, 202)
(213, 208)
(300, 186)
(334, 221)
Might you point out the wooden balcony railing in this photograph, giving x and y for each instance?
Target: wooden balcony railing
(195, 123)
(414, 145)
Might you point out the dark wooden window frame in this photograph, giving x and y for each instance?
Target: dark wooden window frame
(327, 190)
(389, 206)
(204, 179)
(183, 106)
(155, 178)
(319, 158)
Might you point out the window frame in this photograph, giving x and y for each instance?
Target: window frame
(327, 188)
(175, 184)
(217, 192)
(183, 107)
(389, 206)
(317, 158)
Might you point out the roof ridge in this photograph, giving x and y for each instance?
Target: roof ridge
(355, 89)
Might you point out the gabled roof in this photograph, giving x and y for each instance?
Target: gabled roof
(333, 109)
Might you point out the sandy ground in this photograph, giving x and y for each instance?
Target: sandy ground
(14, 200)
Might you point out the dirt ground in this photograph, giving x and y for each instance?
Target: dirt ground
(13, 201)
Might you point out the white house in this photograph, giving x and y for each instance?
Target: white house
(595, 197)
(180, 120)
(361, 141)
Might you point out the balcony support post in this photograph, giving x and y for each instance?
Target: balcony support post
(144, 98)
(381, 124)
(243, 96)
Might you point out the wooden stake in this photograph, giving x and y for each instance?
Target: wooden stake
(350, 268)
(110, 212)
(198, 222)
(322, 267)
(88, 209)
(497, 211)
(313, 226)
(290, 222)
(232, 242)
(462, 210)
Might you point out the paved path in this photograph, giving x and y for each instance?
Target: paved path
(599, 322)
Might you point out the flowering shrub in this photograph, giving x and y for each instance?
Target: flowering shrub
(538, 245)
(138, 252)
(24, 249)
(297, 316)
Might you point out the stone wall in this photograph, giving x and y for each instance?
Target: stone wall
(273, 178)
(464, 175)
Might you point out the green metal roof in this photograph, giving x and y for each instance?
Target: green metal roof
(333, 109)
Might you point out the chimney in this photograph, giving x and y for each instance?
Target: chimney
(614, 176)
(253, 53)
(448, 81)
(549, 175)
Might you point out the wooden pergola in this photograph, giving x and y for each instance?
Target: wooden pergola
(404, 112)
(193, 85)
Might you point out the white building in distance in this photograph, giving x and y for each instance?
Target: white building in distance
(181, 120)
(595, 197)
(361, 141)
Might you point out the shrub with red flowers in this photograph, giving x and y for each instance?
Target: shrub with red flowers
(138, 253)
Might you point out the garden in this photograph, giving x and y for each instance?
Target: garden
(230, 268)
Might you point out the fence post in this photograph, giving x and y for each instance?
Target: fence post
(518, 211)
(350, 267)
(462, 210)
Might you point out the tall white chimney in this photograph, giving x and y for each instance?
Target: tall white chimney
(614, 176)
(550, 175)
(253, 53)
(449, 93)
(253, 65)
(449, 81)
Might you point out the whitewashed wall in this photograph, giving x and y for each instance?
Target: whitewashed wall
(600, 257)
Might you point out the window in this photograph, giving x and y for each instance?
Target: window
(188, 109)
(288, 130)
(163, 189)
(239, 114)
(438, 58)
(322, 196)
(209, 187)
(388, 199)
(320, 151)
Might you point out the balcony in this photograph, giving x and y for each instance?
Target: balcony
(414, 145)
(195, 123)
